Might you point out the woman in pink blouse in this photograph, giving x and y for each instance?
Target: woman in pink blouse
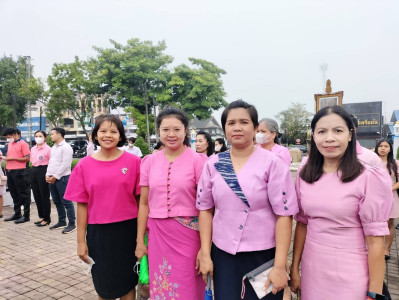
(39, 157)
(384, 150)
(246, 199)
(343, 211)
(168, 182)
(105, 187)
(268, 138)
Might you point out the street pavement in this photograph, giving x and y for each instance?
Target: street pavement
(36, 263)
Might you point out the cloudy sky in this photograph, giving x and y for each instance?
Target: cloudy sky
(271, 50)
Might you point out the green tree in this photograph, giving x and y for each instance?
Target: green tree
(72, 89)
(145, 149)
(199, 90)
(294, 122)
(140, 121)
(15, 90)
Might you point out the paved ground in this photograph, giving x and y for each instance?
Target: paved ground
(36, 263)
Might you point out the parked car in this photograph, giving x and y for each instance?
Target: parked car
(303, 148)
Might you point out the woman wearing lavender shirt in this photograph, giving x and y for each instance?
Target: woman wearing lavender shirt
(242, 230)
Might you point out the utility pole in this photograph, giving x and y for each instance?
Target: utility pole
(29, 102)
(146, 112)
(14, 103)
(154, 103)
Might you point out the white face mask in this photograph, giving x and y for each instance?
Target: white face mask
(217, 148)
(262, 138)
(10, 140)
(39, 140)
(131, 145)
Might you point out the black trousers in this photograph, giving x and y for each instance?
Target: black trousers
(19, 187)
(41, 192)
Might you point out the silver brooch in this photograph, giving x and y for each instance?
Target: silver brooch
(124, 171)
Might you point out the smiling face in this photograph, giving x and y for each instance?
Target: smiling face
(239, 128)
(331, 136)
(201, 144)
(172, 133)
(108, 135)
(384, 149)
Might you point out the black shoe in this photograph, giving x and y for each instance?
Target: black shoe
(21, 220)
(1, 216)
(397, 226)
(387, 257)
(70, 228)
(38, 222)
(43, 224)
(12, 218)
(58, 226)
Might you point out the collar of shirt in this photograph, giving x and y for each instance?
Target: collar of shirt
(61, 143)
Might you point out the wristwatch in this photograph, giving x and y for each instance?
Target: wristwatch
(375, 296)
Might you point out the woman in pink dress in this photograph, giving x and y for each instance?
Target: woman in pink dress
(168, 183)
(343, 210)
(268, 138)
(2, 187)
(384, 150)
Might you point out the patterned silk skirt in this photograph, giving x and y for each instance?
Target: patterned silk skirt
(172, 251)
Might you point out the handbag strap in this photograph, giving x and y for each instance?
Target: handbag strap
(226, 170)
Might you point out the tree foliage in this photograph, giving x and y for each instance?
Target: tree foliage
(140, 121)
(294, 122)
(198, 91)
(145, 149)
(14, 82)
(72, 89)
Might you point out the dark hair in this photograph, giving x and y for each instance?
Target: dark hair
(391, 163)
(59, 130)
(113, 120)
(158, 145)
(131, 139)
(223, 143)
(209, 150)
(253, 113)
(173, 112)
(354, 121)
(17, 131)
(42, 132)
(9, 131)
(350, 167)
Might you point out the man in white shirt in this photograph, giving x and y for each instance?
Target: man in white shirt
(58, 171)
(131, 148)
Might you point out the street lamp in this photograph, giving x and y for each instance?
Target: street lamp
(29, 102)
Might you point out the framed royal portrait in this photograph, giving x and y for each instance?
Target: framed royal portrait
(323, 100)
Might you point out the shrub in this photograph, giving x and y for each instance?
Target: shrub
(145, 149)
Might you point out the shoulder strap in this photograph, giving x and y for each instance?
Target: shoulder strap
(225, 168)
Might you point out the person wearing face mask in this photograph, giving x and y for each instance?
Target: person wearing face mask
(40, 156)
(131, 148)
(220, 145)
(267, 137)
(17, 174)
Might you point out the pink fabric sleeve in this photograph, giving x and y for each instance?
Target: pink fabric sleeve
(285, 156)
(25, 149)
(199, 166)
(300, 216)
(204, 199)
(137, 189)
(76, 189)
(280, 189)
(145, 170)
(375, 206)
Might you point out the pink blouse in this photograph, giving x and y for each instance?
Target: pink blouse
(40, 156)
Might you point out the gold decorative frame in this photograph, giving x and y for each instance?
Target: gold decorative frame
(323, 100)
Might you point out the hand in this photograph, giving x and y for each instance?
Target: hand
(197, 261)
(278, 277)
(206, 266)
(83, 252)
(141, 250)
(295, 281)
(7, 158)
(50, 179)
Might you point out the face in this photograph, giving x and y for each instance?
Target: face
(201, 144)
(384, 149)
(40, 135)
(108, 135)
(217, 144)
(239, 129)
(131, 144)
(262, 128)
(172, 133)
(55, 136)
(11, 137)
(331, 136)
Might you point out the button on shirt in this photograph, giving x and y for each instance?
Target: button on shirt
(172, 185)
(269, 189)
(17, 149)
(60, 161)
(40, 156)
